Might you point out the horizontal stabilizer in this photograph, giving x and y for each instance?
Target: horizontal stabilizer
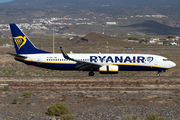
(15, 55)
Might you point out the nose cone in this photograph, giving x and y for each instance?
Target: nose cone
(172, 64)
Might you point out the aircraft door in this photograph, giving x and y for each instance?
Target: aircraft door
(39, 60)
(156, 61)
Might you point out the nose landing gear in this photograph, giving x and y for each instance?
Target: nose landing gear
(158, 74)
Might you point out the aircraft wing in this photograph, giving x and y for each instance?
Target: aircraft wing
(82, 65)
(18, 56)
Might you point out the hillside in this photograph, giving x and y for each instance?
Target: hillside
(119, 11)
(154, 28)
(114, 7)
(94, 37)
(60, 3)
(132, 6)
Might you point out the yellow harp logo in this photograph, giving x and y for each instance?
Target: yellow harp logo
(20, 41)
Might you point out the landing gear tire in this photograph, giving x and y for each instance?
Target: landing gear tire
(91, 73)
(158, 74)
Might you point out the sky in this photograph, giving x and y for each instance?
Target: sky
(4, 1)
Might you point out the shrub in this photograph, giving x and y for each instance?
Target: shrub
(132, 38)
(5, 88)
(132, 117)
(68, 117)
(6, 119)
(15, 100)
(58, 109)
(154, 117)
(27, 93)
(157, 81)
(170, 36)
(33, 116)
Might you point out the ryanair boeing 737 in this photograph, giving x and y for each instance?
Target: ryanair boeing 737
(104, 63)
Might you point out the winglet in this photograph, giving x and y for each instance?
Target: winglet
(64, 53)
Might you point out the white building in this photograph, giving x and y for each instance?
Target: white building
(173, 43)
(7, 45)
(110, 23)
(153, 40)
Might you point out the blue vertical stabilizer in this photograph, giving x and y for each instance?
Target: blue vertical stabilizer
(21, 42)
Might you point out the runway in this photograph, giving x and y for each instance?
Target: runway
(112, 83)
(89, 76)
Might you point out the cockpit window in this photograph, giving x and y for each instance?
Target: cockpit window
(165, 60)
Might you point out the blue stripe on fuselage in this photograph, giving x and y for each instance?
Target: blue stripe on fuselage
(70, 66)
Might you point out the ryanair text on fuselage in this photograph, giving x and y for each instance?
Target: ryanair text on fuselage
(120, 59)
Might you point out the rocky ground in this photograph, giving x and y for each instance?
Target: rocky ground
(91, 98)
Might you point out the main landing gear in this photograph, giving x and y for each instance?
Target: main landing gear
(91, 73)
(158, 74)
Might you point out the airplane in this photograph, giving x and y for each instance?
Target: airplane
(27, 53)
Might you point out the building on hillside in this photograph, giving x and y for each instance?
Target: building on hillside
(160, 43)
(153, 40)
(133, 41)
(7, 45)
(110, 23)
(81, 35)
(173, 43)
(177, 37)
(173, 39)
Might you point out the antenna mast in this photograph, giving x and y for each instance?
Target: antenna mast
(107, 47)
(53, 39)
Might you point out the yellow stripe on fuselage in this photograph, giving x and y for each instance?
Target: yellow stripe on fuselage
(109, 70)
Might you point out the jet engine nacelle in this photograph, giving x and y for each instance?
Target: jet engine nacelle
(109, 69)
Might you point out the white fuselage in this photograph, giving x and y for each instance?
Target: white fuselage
(132, 62)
